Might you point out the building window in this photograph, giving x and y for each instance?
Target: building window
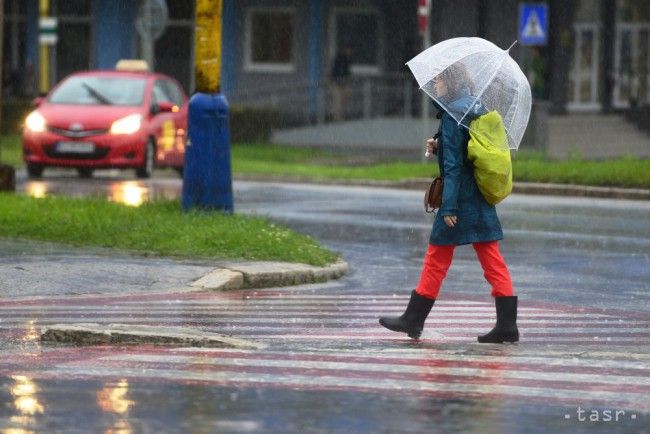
(78, 7)
(177, 43)
(633, 11)
(632, 54)
(75, 46)
(270, 39)
(361, 30)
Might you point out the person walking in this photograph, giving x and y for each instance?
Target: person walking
(340, 75)
(464, 217)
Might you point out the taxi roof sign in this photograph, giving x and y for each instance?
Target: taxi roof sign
(137, 65)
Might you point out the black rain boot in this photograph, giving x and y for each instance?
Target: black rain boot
(506, 328)
(412, 320)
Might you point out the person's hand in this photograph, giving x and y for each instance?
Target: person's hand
(432, 145)
(450, 220)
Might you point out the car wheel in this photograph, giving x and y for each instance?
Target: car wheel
(34, 170)
(146, 169)
(179, 170)
(85, 172)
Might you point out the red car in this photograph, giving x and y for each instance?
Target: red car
(108, 119)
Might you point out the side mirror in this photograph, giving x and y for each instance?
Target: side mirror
(36, 102)
(166, 107)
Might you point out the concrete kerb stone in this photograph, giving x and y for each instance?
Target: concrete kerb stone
(272, 274)
(581, 191)
(99, 334)
(518, 187)
(220, 279)
(242, 275)
(249, 275)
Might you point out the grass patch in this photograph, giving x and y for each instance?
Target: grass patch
(261, 158)
(619, 172)
(527, 167)
(158, 228)
(385, 171)
(11, 150)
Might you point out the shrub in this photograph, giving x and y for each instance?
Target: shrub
(249, 124)
(14, 112)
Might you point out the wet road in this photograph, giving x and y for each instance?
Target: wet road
(581, 269)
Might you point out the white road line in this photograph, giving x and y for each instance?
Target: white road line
(520, 374)
(634, 400)
(409, 356)
(358, 297)
(431, 335)
(522, 331)
(237, 310)
(281, 307)
(235, 318)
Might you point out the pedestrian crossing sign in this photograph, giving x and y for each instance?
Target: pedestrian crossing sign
(533, 24)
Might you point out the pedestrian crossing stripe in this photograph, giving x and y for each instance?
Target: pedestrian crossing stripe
(375, 367)
(327, 341)
(485, 387)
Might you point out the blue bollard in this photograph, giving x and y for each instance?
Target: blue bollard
(207, 179)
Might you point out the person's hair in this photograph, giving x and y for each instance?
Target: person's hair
(456, 78)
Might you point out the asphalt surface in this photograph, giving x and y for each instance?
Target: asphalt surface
(580, 268)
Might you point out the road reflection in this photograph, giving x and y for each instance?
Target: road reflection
(112, 398)
(31, 332)
(130, 193)
(24, 392)
(36, 189)
(127, 192)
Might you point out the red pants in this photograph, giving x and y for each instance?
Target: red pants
(438, 260)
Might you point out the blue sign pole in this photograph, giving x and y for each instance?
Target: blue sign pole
(207, 178)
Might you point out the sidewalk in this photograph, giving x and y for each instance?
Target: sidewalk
(40, 269)
(591, 136)
(518, 187)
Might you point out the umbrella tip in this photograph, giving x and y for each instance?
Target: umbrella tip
(512, 45)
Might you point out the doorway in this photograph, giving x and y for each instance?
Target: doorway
(583, 83)
(631, 65)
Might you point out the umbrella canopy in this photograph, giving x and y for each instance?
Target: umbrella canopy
(479, 77)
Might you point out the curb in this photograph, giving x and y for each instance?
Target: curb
(423, 183)
(581, 191)
(98, 334)
(249, 275)
(229, 276)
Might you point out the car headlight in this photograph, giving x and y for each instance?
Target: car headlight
(127, 125)
(35, 122)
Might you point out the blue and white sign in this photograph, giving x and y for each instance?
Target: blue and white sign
(533, 24)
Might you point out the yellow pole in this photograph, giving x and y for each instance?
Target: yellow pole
(207, 66)
(44, 52)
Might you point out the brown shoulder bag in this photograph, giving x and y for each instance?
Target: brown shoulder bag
(433, 195)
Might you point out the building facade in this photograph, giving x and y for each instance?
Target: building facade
(597, 56)
(92, 34)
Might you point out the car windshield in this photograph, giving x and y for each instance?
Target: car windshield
(89, 90)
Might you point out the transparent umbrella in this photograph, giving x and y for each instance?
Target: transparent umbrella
(486, 76)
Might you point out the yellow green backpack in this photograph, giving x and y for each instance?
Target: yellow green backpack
(492, 164)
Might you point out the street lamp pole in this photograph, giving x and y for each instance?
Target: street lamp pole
(424, 8)
(44, 51)
(2, 26)
(7, 172)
